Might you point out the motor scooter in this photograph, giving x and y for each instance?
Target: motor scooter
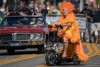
(53, 56)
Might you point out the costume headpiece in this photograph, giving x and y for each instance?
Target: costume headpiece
(67, 5)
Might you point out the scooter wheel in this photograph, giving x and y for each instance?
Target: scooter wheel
(75, 60)
(51, 57)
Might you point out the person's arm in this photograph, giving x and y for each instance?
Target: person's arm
(89, 14)
(82, 12)
(22, 13)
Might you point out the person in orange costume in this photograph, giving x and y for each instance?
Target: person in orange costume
(70, 33)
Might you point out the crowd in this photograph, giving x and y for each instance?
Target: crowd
(36, 8)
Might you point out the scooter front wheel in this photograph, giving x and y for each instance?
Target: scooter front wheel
(50, 57)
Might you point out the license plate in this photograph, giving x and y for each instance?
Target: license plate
(14, 43)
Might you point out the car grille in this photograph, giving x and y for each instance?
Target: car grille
(23, 36)
(6, 37)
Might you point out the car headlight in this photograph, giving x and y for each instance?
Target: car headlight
(36, 36)
(14, 36)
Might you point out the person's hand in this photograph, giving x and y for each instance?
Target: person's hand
(22, 14)
(89, 17)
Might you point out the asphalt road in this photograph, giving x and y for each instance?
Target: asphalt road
(30, 58)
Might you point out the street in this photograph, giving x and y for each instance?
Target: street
(35, 23)
(30, 58)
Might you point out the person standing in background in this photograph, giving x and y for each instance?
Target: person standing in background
(22, 10)
(96, 15)
(89, 15)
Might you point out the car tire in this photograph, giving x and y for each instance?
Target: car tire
(10, 50)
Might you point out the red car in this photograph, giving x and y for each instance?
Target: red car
(20, 32)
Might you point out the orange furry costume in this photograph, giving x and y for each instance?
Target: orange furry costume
(72, 33)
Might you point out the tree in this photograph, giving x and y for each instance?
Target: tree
(98, 1)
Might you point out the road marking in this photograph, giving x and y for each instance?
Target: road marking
(97, 51)
(24, 57)
(90, 53)
(88, 45)
(90, 50)
(42, 65)
(84, 43)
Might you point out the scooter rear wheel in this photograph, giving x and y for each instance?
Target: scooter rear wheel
(75, 60)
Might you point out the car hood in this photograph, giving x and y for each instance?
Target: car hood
(21, 28)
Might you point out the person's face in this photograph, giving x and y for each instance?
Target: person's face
(22, 5)
(40, 7)
(86, 7)
(48, 3)
(65, 11)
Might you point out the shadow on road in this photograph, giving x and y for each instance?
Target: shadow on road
(19, 53)
(68, 64)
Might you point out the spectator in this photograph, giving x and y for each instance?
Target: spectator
(32, 11)
(89, 16)
(31, 5)
(96, 34)
(44, 12)
(49, 7)
(36, 4)
(56, 11)
(96, 15)
(38, 12)
(93, 36)
(83, 35)
(2, 8)
(22, 10)
(10, 12)
(41, 11)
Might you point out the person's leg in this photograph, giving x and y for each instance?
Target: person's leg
(65, 46)
(96, 40)
(89, 31)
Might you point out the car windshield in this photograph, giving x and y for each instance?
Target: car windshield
(8, 21)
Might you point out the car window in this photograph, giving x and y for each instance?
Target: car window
(36, 21)
(22, 21)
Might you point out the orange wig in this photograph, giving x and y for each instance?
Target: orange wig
(67, 5)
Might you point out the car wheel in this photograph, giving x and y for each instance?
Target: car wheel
(10, 50)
